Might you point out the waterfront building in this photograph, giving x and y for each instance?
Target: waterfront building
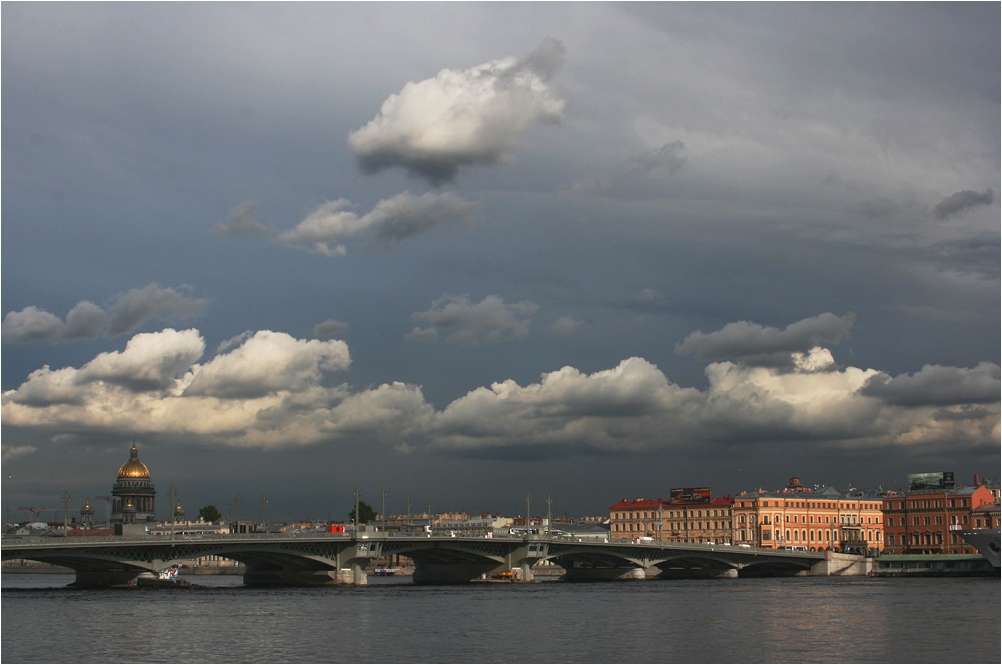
(815, 520)
(690, 515)
(134, 497)
(928, 518)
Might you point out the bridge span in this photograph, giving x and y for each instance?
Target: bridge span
(320, 559)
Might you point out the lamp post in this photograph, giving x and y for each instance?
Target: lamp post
(172, 492)
(264, 512)
(528, 514)
(356, 494)
(238, 500)
(382, 507)
(66, 499)
(429, 517)
(549, 515)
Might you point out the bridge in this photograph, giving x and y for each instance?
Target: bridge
(321, 559)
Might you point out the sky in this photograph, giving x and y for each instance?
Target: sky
(466, 252)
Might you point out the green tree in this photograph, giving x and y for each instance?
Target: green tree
(209, 513)
(365, 513)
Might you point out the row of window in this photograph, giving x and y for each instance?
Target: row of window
(830, 505)
(828, 519)
(652, 514)
(673, 526)
(928, 503)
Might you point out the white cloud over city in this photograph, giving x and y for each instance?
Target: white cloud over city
(459, 117)
(272, 390)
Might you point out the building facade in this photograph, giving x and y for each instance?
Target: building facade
(928, 521)
(690, 516)
(797, 517)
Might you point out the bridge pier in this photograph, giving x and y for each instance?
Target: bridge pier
(292, 577)
(603, 574)
(427, 572)
(95, 579)
(697, 573)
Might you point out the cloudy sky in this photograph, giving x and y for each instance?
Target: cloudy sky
(469, 251)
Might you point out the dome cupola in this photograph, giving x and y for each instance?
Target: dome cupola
(134, 468)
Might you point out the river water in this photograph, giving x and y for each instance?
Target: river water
(820, 619)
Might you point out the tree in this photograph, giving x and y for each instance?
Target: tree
(209, 513)
(365, 513)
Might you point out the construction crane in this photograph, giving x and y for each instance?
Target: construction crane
(33, 511)
(107, 509)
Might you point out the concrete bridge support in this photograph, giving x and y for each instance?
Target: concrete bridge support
(96, 579)
(674, 573)
(836, 563)
(575, 574)
(431, 572)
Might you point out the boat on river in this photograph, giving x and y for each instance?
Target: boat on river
(986, 541)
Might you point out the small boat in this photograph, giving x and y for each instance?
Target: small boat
(168, 574)
(385, 572)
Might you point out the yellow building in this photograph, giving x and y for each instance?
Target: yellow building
(797, 517)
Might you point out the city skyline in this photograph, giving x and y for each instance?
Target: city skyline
(297, 249)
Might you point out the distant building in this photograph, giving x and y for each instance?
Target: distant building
(691, 515)
(134, 495)
(798, 517)
(928, 518)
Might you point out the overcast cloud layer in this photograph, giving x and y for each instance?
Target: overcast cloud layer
(587, 250)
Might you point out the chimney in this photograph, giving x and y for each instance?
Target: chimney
(975, 480)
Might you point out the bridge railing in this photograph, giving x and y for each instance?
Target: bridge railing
(12, 541)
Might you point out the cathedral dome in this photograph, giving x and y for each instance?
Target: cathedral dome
(133, 468)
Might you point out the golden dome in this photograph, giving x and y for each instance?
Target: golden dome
(133, 468)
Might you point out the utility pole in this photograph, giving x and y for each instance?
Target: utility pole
(238, 499)
(549, 515)
(408, 512)
(66, 498)
(173, 510)
(264, 511)
(382, 508)
(429, 516)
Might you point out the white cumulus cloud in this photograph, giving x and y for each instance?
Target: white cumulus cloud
(459, 117)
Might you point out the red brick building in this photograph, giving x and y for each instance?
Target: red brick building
(928, 521)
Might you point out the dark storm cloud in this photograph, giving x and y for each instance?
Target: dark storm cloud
(243, 222)
(754, 344)
(86, 320)
(32, 324)
(475, 116)
(391, 220)
(935, 385)
(330, 328)
(669, 158)
(961, 201)
(133, 308)
(464, 322)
